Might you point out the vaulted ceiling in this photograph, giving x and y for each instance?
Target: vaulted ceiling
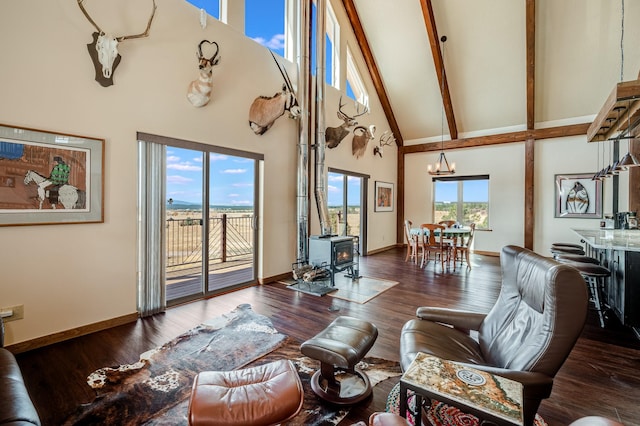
(514, 68)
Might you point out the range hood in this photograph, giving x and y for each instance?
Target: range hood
(619, 115)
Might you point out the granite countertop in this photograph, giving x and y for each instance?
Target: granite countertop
(618, 239)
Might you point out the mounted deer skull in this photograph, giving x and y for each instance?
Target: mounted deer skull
(199, 92)
(104, 48)
(386, 139)
(264, 111)
(334, 135)
(361, 137)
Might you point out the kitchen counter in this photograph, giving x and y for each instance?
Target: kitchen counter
(616, 239)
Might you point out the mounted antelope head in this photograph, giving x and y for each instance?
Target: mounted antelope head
(386, 139)
(361, 137)
(199, 92)
(104, 48)
(264, 111)
(334, 135)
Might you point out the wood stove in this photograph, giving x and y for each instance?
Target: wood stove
(334, 253)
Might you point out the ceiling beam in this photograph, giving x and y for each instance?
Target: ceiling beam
(531, 61)
(519, 136)
(378, 84)
(434, 41)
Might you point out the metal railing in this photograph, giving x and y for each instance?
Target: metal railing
(231, 238)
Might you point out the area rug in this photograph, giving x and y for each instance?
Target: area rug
(439, 413)
(315, 412)
(133, 394)
(360, 290)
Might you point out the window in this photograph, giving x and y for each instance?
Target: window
(355, 86)
(464, 199)
(212, 7)
(264, 23)
(332, 43)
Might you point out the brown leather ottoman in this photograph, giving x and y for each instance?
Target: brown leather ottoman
(339, 347)
(265, 395)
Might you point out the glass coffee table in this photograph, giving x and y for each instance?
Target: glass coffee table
(487, 396)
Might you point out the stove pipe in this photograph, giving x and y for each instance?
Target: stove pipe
(320, 143)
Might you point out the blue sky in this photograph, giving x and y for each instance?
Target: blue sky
(232, 178)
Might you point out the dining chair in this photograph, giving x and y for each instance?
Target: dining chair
(447, 223)
(412, 242)
(432, 241)
(463, 249)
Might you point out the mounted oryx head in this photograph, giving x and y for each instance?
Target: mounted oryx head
(104, 48)
(334, 135)
(264, 111)
(199, 92)
(361, 137)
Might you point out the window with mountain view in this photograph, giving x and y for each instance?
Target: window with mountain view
(463, 199)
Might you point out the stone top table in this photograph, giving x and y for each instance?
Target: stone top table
(616, 239)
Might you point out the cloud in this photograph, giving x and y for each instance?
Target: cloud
(233, 195)
(217, 157)
(241, 202)
(178, 180)
(331, 188)
(242, 185)
(234, 171)
(276, 42)
(185, 167)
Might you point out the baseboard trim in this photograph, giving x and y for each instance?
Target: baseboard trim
(50, 339)
(275, 278)
(380, 250)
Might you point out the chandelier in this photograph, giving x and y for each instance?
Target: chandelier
(441, 167)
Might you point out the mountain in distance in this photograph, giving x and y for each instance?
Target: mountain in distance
(187, 205)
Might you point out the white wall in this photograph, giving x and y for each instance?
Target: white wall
(68, 276)
(505, 166)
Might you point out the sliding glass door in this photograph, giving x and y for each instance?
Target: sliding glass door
(210, 222)
(347, 199)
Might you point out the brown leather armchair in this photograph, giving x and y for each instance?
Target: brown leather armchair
(526, 336)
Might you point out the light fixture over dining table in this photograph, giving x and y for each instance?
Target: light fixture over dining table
(442, 167)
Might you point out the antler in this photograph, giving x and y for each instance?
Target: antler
(121, 38)
(366, 110)
(386, 139)
(201, 55)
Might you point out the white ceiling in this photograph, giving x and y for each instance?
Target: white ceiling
(577, 61)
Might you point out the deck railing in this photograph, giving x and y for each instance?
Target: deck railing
(230, 239)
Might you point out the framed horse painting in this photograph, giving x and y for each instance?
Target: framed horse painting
(50, 178)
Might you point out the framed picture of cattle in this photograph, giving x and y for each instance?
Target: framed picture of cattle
(50, 178)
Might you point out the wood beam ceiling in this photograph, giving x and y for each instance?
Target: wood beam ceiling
(519, 136)
(529, 163)
(436, 52)
(378, 83)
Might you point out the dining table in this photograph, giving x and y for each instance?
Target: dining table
(453, 232)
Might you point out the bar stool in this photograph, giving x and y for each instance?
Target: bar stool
(576, 258)
(561, 245)
(594, 274)
(557, 250)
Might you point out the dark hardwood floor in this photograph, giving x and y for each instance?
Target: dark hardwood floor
(601, 376)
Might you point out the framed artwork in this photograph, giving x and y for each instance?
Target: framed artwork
(577, 196)
(384, 197)
(50, 178)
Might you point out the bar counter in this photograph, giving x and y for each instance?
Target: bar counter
(619, 251)
(616, 239)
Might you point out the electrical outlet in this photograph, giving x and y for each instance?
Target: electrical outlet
(18, 313)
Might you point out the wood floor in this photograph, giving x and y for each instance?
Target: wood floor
(601, 376)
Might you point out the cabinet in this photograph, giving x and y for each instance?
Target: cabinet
(623, 287)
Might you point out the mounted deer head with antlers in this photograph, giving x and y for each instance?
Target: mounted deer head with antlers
(199, 92)
(264, 111)
(334, 135)
(104, 48)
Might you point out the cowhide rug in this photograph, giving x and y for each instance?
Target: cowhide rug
(136, 393)
(315, 412)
